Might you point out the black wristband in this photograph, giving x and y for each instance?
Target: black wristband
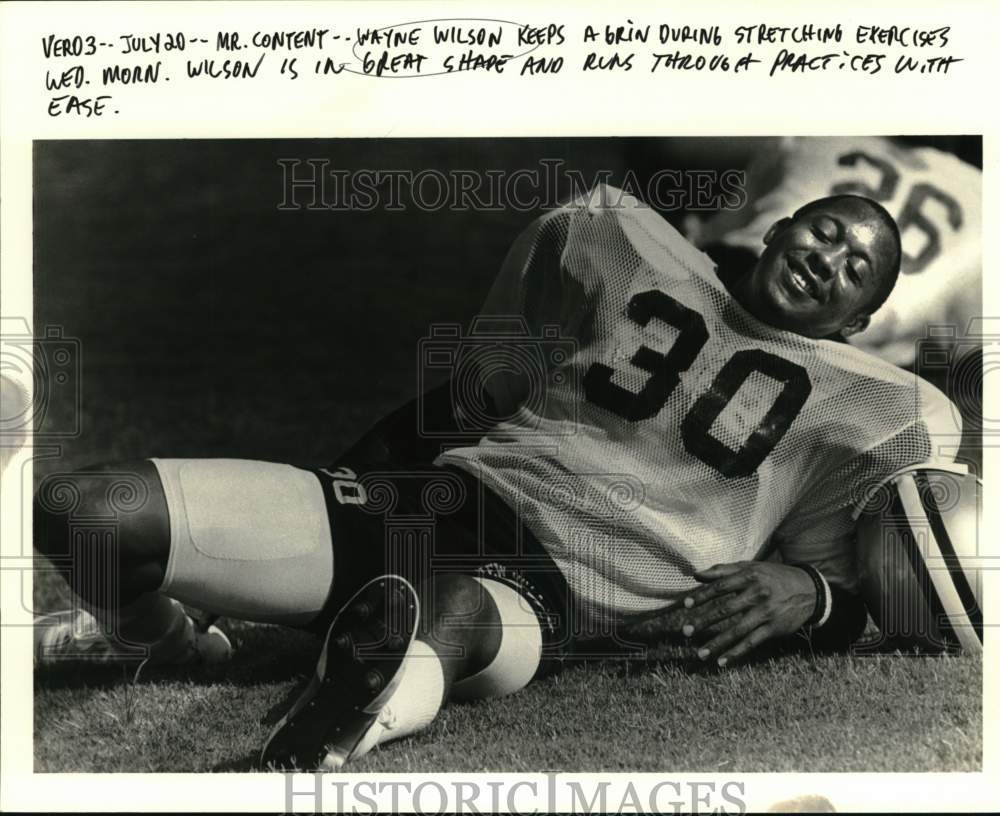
(846, 615)
(818, 583)
(845, 625)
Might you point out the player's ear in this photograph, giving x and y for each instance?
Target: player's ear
(859, 324)
(775, 228)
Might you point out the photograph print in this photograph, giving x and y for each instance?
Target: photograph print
(511, 455)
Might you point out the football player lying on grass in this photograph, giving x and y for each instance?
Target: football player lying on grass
(670, 431)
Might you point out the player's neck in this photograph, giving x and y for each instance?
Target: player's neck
(733, 267)
(732, 264)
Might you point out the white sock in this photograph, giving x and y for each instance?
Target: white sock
(415, 702)
(520, 653)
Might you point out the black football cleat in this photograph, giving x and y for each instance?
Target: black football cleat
(357, 672)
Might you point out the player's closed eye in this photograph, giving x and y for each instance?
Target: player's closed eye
(826, 230)
(856, 271)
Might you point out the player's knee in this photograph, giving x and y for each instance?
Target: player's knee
(461, 620)
(515, 651)
(105, 517)
(460, 601)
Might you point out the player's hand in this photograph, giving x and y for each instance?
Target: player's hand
(742, 605)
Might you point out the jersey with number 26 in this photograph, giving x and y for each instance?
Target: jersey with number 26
(679, 432)
(934, 197)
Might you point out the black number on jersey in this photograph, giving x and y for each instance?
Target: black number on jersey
(769, 431)
(887, 183)
(911, 214)
(665, 370)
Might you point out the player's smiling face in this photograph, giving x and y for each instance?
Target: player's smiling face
(819, 271)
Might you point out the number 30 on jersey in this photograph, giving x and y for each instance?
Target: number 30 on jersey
(665, 369)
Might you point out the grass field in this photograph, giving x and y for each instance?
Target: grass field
(794, 713)
(211, 324)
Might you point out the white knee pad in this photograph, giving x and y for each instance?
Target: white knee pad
(248, 539)
(520, 649)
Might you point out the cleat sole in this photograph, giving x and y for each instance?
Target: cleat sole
(344, 697)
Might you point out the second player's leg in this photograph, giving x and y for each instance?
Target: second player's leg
(109, 526)
(233, 537)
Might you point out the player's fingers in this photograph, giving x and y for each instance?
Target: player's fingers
(745, 646)
(735, 582)
(719, 571)
(673, 619)
(742, 626)
(718, 609)
(716, 629)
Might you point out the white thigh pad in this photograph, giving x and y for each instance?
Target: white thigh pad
(248, 539)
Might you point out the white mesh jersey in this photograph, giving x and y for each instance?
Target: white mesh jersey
(935, 198)
(679, 432)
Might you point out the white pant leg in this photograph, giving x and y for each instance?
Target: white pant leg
(248, 539)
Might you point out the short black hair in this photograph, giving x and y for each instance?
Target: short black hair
(889, 276)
